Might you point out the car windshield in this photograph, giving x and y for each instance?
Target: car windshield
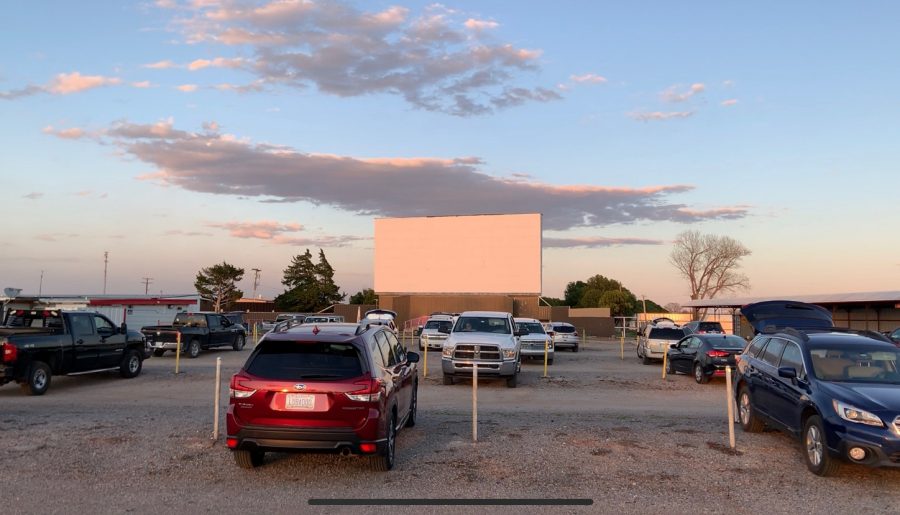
(472, 324)
(709, 327)
(666, 333)
(729, 341)
(293, 361)
(531, 327)
(440, 325)
(282, 318)
(189, 320)
(856, 364)
(564, 328)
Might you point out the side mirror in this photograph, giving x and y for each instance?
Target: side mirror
(226, 322)
(673, 345)
(123, 329)
(787, 372)
(412, 357)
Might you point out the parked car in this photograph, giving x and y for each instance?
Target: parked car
(380, 317)
(704, 355)
(35, 345)
(534, 339)
(196, 331)
(486, 339)
(237, 318)
(702, 327)
(895, 336)
(329, 388)
(657, 340)
(565, 336)
(268, 325)
(323, 319)
(435, 332)
(837, 390)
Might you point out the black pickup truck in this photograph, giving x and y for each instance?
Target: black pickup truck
(37, 344)
(196, 331)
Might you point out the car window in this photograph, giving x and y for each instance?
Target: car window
(81, 325)
(385, 348)
(293, 361)
(727, 341)
(696, 343)
(399, 351)
(102, 323)
(666, 333)
(772, 352)
(857, 363)
(531, 327)
(564, 328)
(377, 356)
(756, 346)
(791, 357)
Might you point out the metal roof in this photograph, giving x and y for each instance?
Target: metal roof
(825, 298)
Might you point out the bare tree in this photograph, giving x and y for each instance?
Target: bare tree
(709, 263)
(673, 307)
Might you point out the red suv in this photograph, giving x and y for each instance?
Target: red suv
(323, 388)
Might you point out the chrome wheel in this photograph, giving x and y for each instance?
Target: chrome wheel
(134, 364)
(698, 373)
(39, 379)
(744, 409)
(814, 447)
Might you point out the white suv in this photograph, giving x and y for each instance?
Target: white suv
(486, 339)
(435, 332)
(533, 343)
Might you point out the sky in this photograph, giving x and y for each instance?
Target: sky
(177, 134)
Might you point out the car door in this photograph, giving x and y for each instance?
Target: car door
(87, 342)
(690, 354)
(217, 332)
(404, 369)
(111, 346)
(766, 376)
(786, 393)
(392, 371)
(677, 356)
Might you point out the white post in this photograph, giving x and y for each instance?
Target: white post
(730, 402)
(216, 407)
(474, 402)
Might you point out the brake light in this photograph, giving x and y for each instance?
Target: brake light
(10, 352)
(367, 448)
(238, 390)
(232, 443)
(718, 354)
(370, 393)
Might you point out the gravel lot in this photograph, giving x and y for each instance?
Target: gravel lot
(600, 428)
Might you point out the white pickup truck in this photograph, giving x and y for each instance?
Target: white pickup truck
(486, 339)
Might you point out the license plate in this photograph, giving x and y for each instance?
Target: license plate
(300, 401)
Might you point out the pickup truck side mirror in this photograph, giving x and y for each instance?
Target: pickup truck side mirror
(787, 372)
(412, 357)
(123, 329)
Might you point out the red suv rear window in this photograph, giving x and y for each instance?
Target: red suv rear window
(289, 361)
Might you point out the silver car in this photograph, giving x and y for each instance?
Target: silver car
(435, 332)
(533, 344)
(565, 335)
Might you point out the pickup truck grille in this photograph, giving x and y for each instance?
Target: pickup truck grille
(477, 352)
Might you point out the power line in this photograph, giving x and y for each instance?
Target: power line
(146, 281)
(105, 263)
(256, 272)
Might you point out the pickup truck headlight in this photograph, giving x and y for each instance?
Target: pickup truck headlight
(851, 414)
(447, 351)
(509, 353)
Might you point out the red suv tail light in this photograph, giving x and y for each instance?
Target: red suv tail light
(718, 354)
(237, 389)
(371, 391)
(10, 352)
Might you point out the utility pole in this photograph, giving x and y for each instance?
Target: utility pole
(256, 272)
(41, 284)
(146, 281)
(105, 264)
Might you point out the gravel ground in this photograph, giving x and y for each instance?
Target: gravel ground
(600, 428)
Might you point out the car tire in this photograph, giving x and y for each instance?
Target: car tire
(413, 406)
(750, 422)
(699, 375)
(131, 364)
(248, 459)
(816, 455)
(639, 350)
(384, 461)
(159, 352)
(448, 379)
(670, 368)
(239, 342)
(512, 381)
(193, 349)
(37, 381)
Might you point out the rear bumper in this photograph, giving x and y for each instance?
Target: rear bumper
(566, 342)
(7, 374)
(281, 438)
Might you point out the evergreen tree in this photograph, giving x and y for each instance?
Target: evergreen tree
(366, 296)
(328, 293)
(308, 286)
(218, 282)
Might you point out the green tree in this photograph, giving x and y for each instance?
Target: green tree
(308, 286)
(219, 282)
(572, 295)
(366, 296)
(620, 302)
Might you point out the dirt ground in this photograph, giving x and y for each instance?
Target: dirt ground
(600, 428)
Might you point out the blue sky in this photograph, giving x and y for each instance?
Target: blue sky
(177, 134)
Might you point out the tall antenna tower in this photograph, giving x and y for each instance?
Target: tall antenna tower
(146, 281)
(256, 272)
(105, 264)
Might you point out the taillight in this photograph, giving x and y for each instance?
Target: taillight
(371, 392)
(238, 390)
(718, 354)
(10, 352)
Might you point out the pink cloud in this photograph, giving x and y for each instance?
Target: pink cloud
(161, 65)
(729, 102)
(264, 230)
(659, 115)
(66, 83)
(218, 62)
(673, 95)
(187, 88)
(71, 133)
(596, 242)
(474, 24)
(588, 78)
(142, 84)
